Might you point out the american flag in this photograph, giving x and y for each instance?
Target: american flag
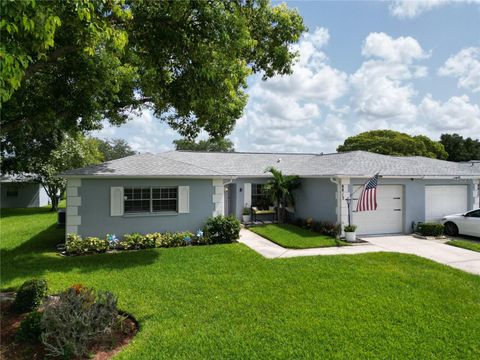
(368, 197)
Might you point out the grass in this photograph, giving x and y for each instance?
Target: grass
(294, 237)
(226, 301)
(466, 244)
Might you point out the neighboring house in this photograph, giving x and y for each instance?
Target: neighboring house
(179, 190)
(21, 192)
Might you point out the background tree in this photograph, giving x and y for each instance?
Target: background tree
(114, 149)
(389, 142)
(211, 144)
(83, 62)
(460, 149)
(280, 190)
(72, 153)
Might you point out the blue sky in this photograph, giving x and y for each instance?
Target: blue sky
(403, 65)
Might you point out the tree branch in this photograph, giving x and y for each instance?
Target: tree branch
(54, 56)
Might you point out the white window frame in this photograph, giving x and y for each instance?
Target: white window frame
(151, 199)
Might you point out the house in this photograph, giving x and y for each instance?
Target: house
(179, 190)
(21, 192)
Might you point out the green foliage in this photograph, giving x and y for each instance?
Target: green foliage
(186, 61)
(280, 190)
(389, 142)
(222, 229)
(460, 149)
(350, 228)
(77, 245)
(430, 229)
(132, 241)
(30, 295)
(114, 149)
(246, 211)
(212, 144)
(30, 328)
(73, 322)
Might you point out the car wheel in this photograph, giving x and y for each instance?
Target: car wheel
(451, 229)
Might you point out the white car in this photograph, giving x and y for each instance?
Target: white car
(466, 224)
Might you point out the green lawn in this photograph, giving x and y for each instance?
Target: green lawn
(294, 237)
(466, 244)
(226, 301)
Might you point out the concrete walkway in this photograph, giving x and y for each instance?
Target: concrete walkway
(458, 258)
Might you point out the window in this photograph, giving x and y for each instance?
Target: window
(475, 214)
(12, 191)
(259, 198)
(150, 199)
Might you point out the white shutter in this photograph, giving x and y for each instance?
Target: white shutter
(183, 199)
(116, 201)
(247, 195)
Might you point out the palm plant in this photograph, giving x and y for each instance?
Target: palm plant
(280, 190)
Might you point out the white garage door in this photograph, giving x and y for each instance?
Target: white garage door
(444, 200)
(388, 218)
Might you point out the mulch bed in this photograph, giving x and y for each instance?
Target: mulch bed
(104, 348)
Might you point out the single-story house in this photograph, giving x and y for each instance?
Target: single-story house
(179, 190)
(21, 192)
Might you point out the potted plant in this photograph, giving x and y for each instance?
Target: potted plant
(350, 234)
(246, 215)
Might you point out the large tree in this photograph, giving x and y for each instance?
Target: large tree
(69, 65)
(112, 149)
(280, 190)
(389, 142)
(460, 149)
(211, 144)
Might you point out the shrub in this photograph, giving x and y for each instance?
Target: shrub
(30, 328)
(246, 211)
(350, 228)
(30, 295)
(430, 229)
(74, 244)
(132, 241)
(76, 319)
(153, 240)
(173, 239)
(222, 229)
(94, 244)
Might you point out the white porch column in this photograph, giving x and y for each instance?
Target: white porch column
(476, 194)
(343, 193)
(74, 201)
(218, 197)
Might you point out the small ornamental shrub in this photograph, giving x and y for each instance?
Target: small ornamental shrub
(222, 229)
(74, 244)
(132, 241)
(153, 240)
(95, 244)
(430, 229)
(30, 328)
(350, 228)
(71, 323)
(30, 295)
(246, 211)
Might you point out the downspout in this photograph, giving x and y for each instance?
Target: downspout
(339, 203)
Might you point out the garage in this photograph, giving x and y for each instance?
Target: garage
(444, 200)
(388, 218)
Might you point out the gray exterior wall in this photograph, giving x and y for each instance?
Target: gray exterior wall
(316, 199)
(29, 195)
(414, 196)
(94, 210)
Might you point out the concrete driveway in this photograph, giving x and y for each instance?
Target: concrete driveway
(458, 258)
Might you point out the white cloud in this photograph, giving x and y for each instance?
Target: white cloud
(465, 65)
(380, 91)
(408, 9)
(457, 114)
(144, 133)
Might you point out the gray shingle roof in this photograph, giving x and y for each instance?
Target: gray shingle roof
(208, 164)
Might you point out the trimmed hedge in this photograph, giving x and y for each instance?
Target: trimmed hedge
(222, 229)
(430, 229)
